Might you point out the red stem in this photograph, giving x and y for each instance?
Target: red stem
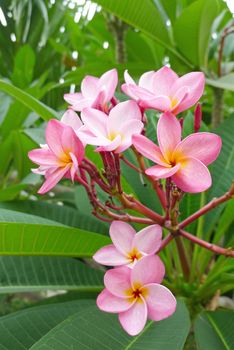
(212, 247)
(211, 205)
(165, 242)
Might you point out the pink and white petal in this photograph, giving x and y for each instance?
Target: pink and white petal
(108, 81)
(193, 176)
(148, 149)
(110, 303)
(84, 103)
(53, 133)
(168, 133)
(134, 319)
(71, 119)
(122, 235)
(148, 240)
(74, 167)
(111, 146)
(160, 172)
(204, 146)
(117, 281)
(130, 128)
(42, 156)
(89, 87)
(178, 98)
(71, 143)
(95, 121)
(146, 80)
(196, 82)
(128, 79)
(161, 303)
(160, 103)
(137, 92)
(122, 113)
(52, 179)
(74, 98)
(149, 269)
(110, 256)
(163, 80)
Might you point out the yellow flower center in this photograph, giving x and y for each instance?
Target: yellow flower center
(134, 255)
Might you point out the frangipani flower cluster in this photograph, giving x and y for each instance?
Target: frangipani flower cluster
(133, 287)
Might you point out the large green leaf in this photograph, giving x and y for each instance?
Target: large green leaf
(226, 82)
(193, 30)
(25, 274)
(222, 180)
(214, 331)
(22, 329)
(23, 66)
(93, 329)
(29, 101)
(63, 214)
(22, 234)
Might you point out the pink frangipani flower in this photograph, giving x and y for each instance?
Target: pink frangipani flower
(164, 91)
(60, 157)
(129, 246)
(113, 132)
(136, 294)
(184, 161)
(95, 92)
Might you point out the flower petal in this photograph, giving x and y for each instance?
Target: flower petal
(149, 269)
(160, 103)
(70, 118)
(169, 134)
(160, 172)
(204, 146)
(127, 77)
(95, 121)
(52, 179)
(72, 143)
(133, 320)
(110, 303)
(130, 128)
(54, 132)
(146, 80)
(178, 98)
(74, 98)
(148, 240)
(117, 281)
(111, 146)
(122, 113)
(148, 149)
(163, 80)
(196, 82)
(122, 235)
(161, 303)
(109, 81)
(42, 156)
(110, 256)
(193, 176)
(89, 87)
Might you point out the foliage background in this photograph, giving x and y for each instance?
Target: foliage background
(46, 48)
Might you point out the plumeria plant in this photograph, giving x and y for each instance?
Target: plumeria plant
(135, 287)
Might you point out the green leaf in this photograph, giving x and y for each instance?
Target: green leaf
(63, 214)
(226, 82)
(23, 66)
(29, 101)
(23, 234)
(214, 331)
(222, 180)
(30, 274)
(140, 15)
(93, 329)
(22, 329)
(11, 192)
(193, 28)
